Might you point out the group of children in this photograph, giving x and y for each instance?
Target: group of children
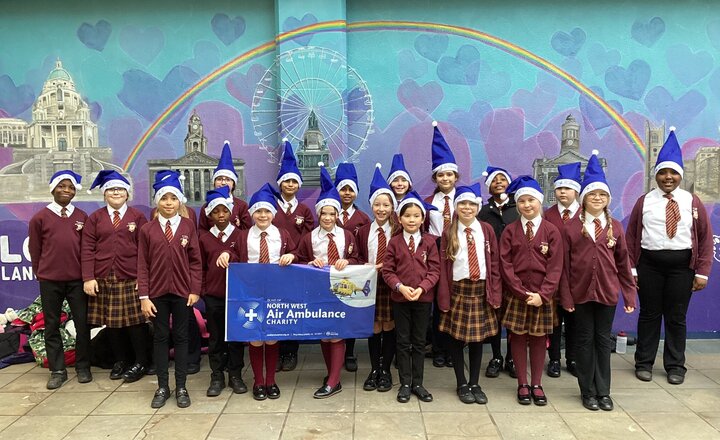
(448, 262)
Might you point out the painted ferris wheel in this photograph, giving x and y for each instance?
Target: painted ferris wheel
(312, 80)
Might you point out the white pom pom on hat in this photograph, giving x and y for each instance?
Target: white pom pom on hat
(595, 152)
(484, 173)
(503, 196)
(285, 139)
(434, 123)
(672, 128)
(378, 165)
(321, 164)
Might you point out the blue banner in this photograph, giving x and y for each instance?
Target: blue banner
(267, 302)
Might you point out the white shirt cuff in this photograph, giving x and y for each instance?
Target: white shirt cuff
(633, 271)
(704, 277)
(145, 297)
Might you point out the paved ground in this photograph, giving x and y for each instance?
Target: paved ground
(106, 409)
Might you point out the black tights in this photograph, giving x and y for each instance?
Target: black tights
(382, 345)
(455, 349)
(136, 337)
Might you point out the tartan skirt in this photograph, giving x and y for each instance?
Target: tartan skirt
(521, 318)
(383, 307)
(116, 305)
(470, 318)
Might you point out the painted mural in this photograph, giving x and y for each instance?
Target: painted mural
(525, 86)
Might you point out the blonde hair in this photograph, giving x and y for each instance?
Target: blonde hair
(608, 219)
(453, 244)
(183, 211)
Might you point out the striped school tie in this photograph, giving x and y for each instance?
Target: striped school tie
(566, 215)
(346, 217)
(382, 246)
(672, 216)
(411, 245)
(63, 213)
(472, 256)
(221, 234)
(446, 213)
(529, 234)
(598, 228)
(116, 219)
(288, 211)
(332, 251)
(168, 231)
(264, 251)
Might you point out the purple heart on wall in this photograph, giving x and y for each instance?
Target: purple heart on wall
(680, 112)
(227, 29)
(431, 46)
(292, 23)
(595, 117)
(409, 67)
(536, 104)
(468, 122)
(688, 67)
(647, 33)
(414, 96)
(491, 84)
(95, 36)
(629, 83)
(568, 44)
(600, 58)
(462, 69)
(503, 131)
(15, 99)
(142, 44)
(242, 86)
(95, 110)
(206, 57)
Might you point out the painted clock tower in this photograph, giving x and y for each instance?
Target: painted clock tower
(195, 140)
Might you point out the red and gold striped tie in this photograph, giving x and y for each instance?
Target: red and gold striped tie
(116, 219)
(346, 217)
(382, 246)
(288, 211)
(529, 234)
(446, 213)
(411, 245)
(472, 256)
(63, 213)
(168, 231)
(221, 234)
(333, 254)
(264, 251)
(566, 215)
(598, 228)
(672, 216)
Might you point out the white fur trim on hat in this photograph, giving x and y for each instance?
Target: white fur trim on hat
(347, 182)
(567, 183)
(397, 174)
(445, 167)
(491, 176)
(408, 200)
(670, 164)
(326, 202)
(169, 189)
(259, 205)
(60, 178)
(214, 203)
(467, 196)
(225, 173)
(288, 176)
(532, 192)
(381, 191)
(594, 187)
(117, 183)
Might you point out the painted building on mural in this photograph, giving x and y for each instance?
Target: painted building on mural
(60, 136)
(312, 151)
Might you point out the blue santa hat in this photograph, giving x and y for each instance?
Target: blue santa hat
(346, 175)
(442, 157)
(225, 167)
(526, 185)
(594, 177)
(491, 172)
(168, 181)
(266, 197)
(568, 176)
(329, 195)
(380, 186)
(216, 197)
(65, 174)
(670, 155)
(107, 179)
(397, 169)
(288, 166)
(414, 197)
(468, 192)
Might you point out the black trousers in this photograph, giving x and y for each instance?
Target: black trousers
(175, 306)
(194, 339)
(665, 288)
(52, 294)
(440, 340)
(556, 337)
(593, 328)
(411, 321)
(289, 347)
(221, 354)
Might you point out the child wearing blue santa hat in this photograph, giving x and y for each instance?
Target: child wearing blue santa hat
(55, 234)
(399, 178)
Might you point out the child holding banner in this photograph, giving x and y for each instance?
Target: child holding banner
(217, 248)
(351, 219)
(411, 268)
(372, 243)
(169, 282)
(470, 288)
(329, 245)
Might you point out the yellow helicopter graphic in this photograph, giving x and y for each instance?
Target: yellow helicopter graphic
(345, 287)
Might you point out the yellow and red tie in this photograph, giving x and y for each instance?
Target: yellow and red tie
(264, 251)
(116, 219)
(472, 256)
(598, 228)
(446, 213)
(529, 234)
(672, 216)
(168, 231)
(382, 246)
(333, 254)
(566, 215)
(411, 245)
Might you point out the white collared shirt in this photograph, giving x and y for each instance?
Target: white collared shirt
(174, 222)
(373, 240)
(416, 239)
(461, 265)
(57, 209)
(320, 242)
(590, 224)
(226, 233)
(654, 236)
(501, 204)
(283, 204)
(573, 208)
(535, 221)
(351, 210)
(436, 217)
(111, 211)
(273, 239)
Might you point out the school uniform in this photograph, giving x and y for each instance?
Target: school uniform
(367, 241)
(239, 217)
(437, 221)
(419, 269)
(314, 245)
(356, 219)
(595, 270)
(666, 268)
(55, 235)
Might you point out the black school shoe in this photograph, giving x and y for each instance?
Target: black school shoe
(590, 402)
(404, 394)
(84, 375)
(572, 367)
(479, 395)
(273, 391)
(134, 373)
(193, 368)
(326, 391)
(57, 378)
(493, 368)
(465, 395)
(605, 403)
(438, 361)
(216, 387)
(259, 392)
(117, 370)
(351, 364)
(182, 397)
(553, 369)
(238, 385)
(289, 362)
(422, 393)
(161, 396)
(538, 395)
(384, 382)
(524, 398)
(510, 368)
(371, 381)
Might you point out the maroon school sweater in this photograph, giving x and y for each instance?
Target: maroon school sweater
(191, 215)
(531, 266)
(554, 216)
(240, 216)
(592, 271)
(297, 224)
(105, 248)
(355, 222)
(493, 283)
(54, 245)
(169, 267)
(213, 277)
(421, 269)
(304, 250)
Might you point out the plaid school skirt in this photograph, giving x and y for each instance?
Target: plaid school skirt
(383, 307)
(116, 304)
(471, 318)
(522, 318)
